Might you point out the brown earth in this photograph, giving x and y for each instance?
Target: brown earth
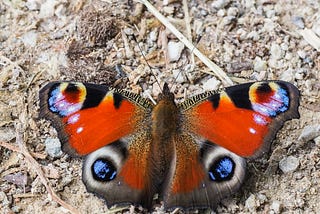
(46, 40)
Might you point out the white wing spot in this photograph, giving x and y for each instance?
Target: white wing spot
(252, 131)
(80, 129)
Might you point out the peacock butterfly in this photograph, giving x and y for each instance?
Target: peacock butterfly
(191, 154)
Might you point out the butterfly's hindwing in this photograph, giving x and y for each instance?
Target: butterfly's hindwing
(203, 174)
(120, 172)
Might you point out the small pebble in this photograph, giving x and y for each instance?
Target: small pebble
(289, 164)
(29, 39)
(269, 25)
(302, 54)
(53, 147)
(270, 13)
(310, 133)
(254, 35)
(221, 13)
(298, 21)
(33, 4)
(276, 51)
(128, 31)
(174, 50)
(233, 11)
(259, 65)
(300, 74)
(4, 199)
(220, 4)
(153, 35)
(276, 207)
(47, 9)
(168, 9)
(287, 75)
(251, 203)
(211, 84)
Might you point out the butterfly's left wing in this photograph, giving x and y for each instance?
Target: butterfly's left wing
(244, 118)
(110, 127)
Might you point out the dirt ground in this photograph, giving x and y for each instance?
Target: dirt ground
(46, 40)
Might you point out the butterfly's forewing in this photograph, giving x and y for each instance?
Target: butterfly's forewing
(89, 116)
(244, 118)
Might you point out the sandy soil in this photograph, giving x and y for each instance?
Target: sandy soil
(46, 40)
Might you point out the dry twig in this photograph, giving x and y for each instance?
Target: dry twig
(188, 27)
(216, 69)
(37, 168)
(17, 149)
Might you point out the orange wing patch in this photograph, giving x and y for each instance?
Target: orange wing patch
(134, 171)
(92, 128)
(189, 172)
(232, 128)
(88, 117)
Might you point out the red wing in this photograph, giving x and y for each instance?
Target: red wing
(244, 118)
(120, 172)
(203, 174)
(88, 117)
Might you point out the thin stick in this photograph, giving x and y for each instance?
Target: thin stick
(17, 149)
(37, 168)
(216, 69)
(188, 27)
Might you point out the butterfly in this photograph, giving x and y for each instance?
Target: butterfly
(191, 154)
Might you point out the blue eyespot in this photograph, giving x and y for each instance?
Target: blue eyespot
(222, 169)
(103, 170)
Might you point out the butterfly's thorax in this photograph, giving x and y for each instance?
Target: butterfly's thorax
(164, 120)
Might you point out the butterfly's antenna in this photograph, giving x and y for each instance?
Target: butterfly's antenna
(135, 39)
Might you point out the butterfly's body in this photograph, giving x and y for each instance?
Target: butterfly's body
(191, 154)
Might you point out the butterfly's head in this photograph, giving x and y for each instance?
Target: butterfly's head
(166, 94)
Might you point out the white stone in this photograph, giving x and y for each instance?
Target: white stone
(251, 203)
(220, 4)
(287, 75)
(233, 11)
(309, 133)
(289, 164)
(47, 9)
(30, 38)
(259, 65)
(153, 35)
(33, 4)
(174, 50)
(211, 84)
(53, 147)
(275, 207)
(276, 51)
